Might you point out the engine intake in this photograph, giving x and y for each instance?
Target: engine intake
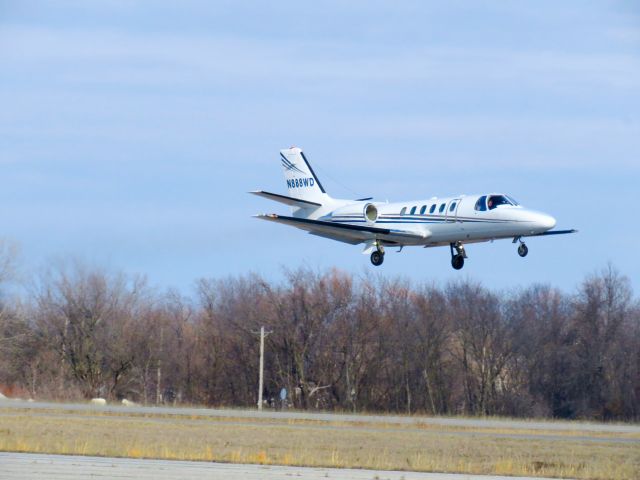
(370, 212)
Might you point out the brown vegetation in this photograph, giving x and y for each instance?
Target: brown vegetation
(337, 343)
(416, 447)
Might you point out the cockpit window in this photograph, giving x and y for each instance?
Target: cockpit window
(496, 200)
(481, 204)
(513, 201)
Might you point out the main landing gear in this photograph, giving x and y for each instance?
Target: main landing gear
(457, 259)
(377, 256)
(522, 248)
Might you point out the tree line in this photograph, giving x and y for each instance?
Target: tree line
(336, 342)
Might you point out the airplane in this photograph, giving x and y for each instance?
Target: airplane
(453, 221)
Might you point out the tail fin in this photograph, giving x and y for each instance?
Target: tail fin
(302, 181)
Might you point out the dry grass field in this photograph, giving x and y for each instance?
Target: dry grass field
(420, 447)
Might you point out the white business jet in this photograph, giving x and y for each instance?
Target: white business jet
(452, 221)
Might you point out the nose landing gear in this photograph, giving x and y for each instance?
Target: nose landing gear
(457, 259)
(523, 250)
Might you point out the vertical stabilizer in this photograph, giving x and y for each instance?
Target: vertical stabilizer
(302, 181)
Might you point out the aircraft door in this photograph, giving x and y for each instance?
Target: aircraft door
(452, 210)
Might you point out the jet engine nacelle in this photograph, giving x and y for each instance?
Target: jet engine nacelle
(357, 211)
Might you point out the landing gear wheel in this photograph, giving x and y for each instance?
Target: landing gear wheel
(523, 250)
(377, 258)
(457, 261)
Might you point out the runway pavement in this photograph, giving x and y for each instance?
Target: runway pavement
(335, 417)
(18, 466)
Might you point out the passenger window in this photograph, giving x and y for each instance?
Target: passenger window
(403, 211)
(452, 207)
(433, 208)
(423, 209)
(441, 209)
(481, 205)
(413, 210)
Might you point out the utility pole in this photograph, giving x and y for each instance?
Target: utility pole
(261, 377)
(159, 369)
(261, 382)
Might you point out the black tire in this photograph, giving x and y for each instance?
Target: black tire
(377, 258)
(523, 250)
(457, 262)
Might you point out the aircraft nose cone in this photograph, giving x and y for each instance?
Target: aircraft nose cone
(540, 222)
(547, 222)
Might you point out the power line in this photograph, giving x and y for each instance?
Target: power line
(330, 177)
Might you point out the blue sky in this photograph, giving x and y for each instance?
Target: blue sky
(130, 131)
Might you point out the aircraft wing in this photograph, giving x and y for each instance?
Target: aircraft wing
(552, 232)
(338, 238)
(345, 232)
(294, 202)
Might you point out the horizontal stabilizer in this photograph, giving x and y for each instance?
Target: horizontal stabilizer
(294, 202)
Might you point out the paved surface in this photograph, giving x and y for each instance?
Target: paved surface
(53, 467)
(334, 417)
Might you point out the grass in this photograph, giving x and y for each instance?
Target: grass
(323, 443)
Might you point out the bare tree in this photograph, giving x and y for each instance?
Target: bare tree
(483, 347)
(87, 315)
(602, 308)
(336, 342)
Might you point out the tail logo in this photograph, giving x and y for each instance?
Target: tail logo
(290, 166)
